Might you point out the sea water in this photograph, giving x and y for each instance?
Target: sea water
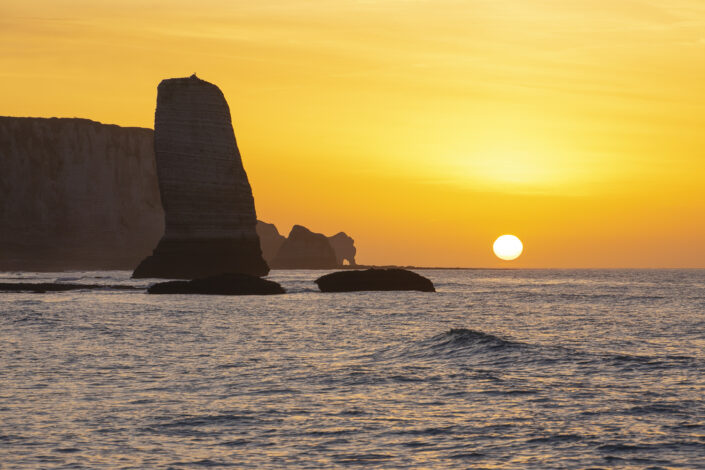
(498, 369)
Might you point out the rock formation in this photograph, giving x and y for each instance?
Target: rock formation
(304, 249)
(344, 247)
(270, 240)
(80, 195)
(76, 194)
(209, 209)
(222, 284)
(374, 280)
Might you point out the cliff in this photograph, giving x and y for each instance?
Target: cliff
(76, 194)
(270, 240)
(208, 204)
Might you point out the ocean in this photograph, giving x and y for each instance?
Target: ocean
(498, 369)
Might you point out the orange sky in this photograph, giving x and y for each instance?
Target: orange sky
(424, 129)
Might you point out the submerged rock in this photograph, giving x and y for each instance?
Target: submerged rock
(222, 284)
(374, 280)
(304, 249)
(208, 205)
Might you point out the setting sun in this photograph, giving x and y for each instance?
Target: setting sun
(268, 224)
(508, 247)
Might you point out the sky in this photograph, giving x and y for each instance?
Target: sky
(423, 129)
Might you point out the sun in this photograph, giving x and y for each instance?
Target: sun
(507, 247)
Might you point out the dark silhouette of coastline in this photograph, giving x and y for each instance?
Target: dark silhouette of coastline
(81, 195)
(304, 249)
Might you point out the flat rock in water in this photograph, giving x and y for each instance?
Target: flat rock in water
(42, 287)
(374, 280)
(222, 284)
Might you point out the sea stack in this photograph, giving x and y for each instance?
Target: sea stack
(208, 205)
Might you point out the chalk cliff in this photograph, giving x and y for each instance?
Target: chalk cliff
(304, 249)
(209, 209)
(76, 194)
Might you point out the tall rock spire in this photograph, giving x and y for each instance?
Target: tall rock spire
(208, 204)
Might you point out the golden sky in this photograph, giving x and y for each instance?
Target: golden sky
(424, 129)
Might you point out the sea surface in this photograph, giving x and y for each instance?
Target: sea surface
(499, 369)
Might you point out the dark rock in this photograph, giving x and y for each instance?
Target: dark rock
(270, 240)
(42, 287)
(374, 280)
(304, 249)
(344, 247)
(223, 284)
(209, 209)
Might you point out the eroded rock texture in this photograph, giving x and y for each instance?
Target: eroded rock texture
(208, 204)
(304, 249)
(76, 194)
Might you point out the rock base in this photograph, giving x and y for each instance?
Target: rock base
(223, 284)
(193, 258)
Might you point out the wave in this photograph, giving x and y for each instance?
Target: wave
(479, 348)
(457, 342)
(461, 338)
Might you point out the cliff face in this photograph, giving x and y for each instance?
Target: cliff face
(304, 249)
(76, 194)
(207, 199)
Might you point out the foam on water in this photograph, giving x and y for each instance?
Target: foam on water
(500, 369)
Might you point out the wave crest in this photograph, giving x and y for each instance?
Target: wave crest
(457, 342)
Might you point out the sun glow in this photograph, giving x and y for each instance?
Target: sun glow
(508, 247)
(545, 117)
